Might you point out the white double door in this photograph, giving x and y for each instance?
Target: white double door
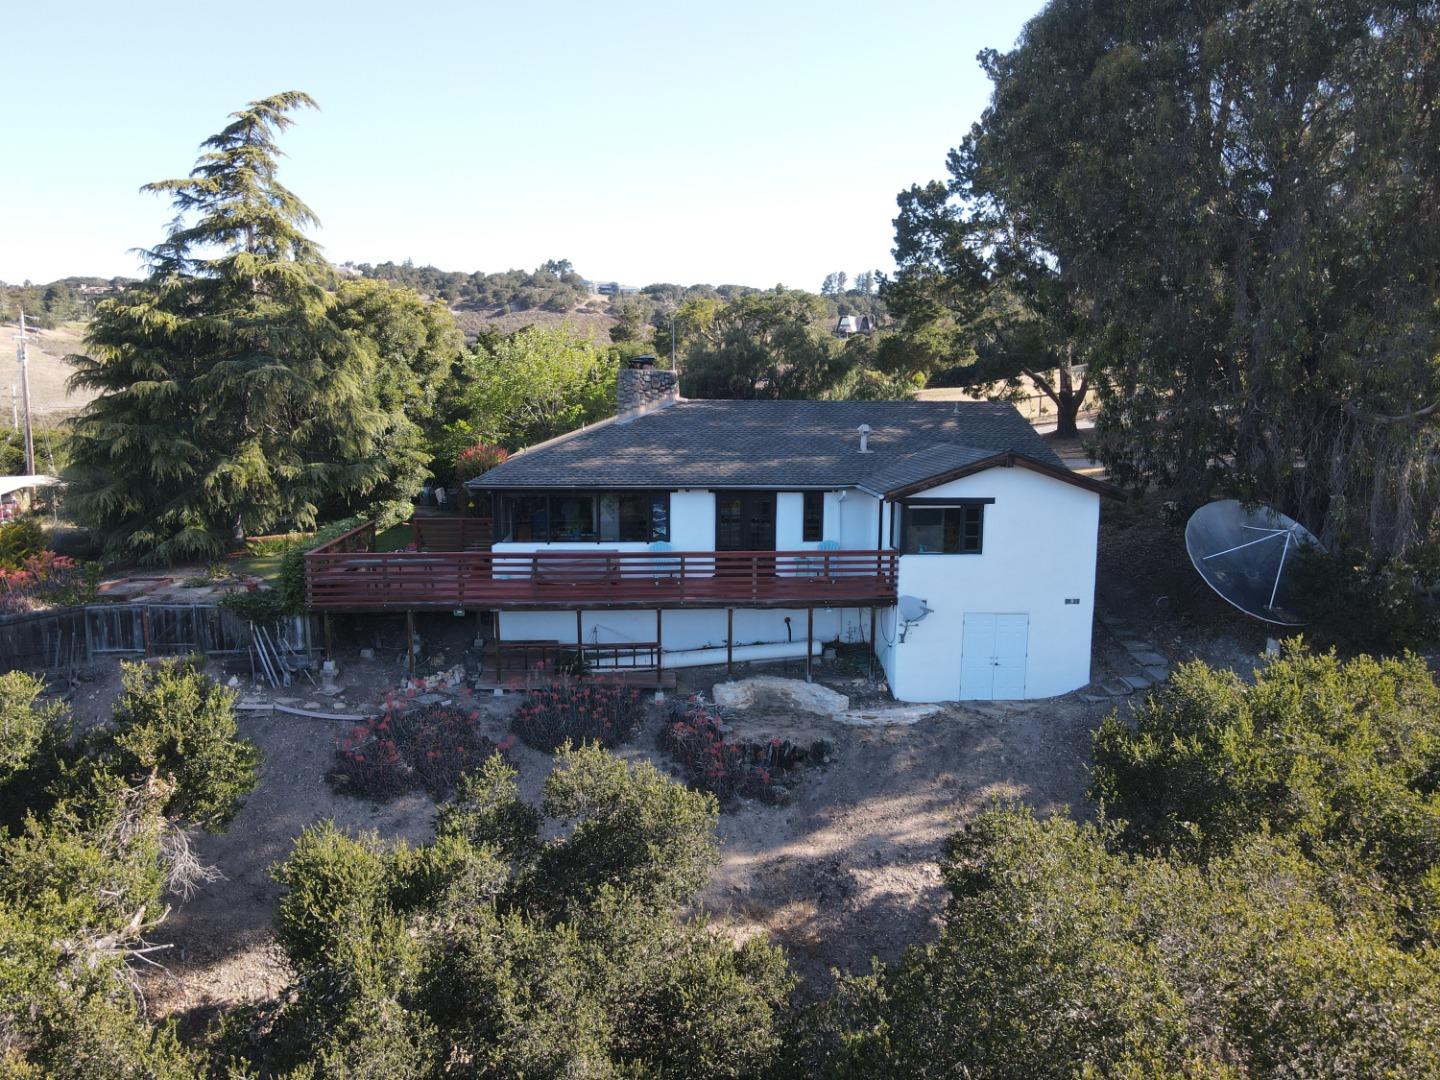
(992, 656)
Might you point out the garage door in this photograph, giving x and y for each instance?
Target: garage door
(992, 656)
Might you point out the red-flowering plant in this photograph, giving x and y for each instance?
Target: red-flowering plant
(45, 580)
(713, 761)
(426, 748)
(578, 711)
(477, 459)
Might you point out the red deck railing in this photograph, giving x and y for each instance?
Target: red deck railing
(345, 576)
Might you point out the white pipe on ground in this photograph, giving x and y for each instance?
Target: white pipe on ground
(784, 650)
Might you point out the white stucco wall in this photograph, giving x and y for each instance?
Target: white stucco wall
(1039, 549)
(854, 521)
(692, 528)
(692, 520)
(686, 629)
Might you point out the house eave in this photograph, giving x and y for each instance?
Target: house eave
(1005, 460)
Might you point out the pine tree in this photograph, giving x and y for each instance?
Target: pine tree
(232, 400)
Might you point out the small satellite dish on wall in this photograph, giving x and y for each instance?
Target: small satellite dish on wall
(911, 610)
(1245, 556)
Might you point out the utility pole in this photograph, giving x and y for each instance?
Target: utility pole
(23, 355)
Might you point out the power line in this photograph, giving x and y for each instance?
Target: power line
(22, 353)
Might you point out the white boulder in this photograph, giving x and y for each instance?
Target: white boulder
(771, 691)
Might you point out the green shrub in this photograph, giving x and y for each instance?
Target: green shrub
(172, 720)
(487, 811)
(631, 824)
(468, 950)
(274, 545)
(1060, 958)
(263, 607)
(33, 743)
(75, 893)
(20, 540)
(291, 582)
(334, 884)
(25, 729)
(1333, 752)
(1356, 603)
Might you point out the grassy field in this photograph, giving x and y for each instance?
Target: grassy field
(590, 322)
(267, 553)
(49, 371)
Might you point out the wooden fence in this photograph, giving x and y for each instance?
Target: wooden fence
(58, 640)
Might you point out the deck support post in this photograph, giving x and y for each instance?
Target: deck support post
(579, 635)
(873, 643)
(659, 640)
(410, 642)
(328, 626)
(729, 641)
(809, 640)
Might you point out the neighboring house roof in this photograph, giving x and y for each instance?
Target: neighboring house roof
(778, 444)
(11, 484)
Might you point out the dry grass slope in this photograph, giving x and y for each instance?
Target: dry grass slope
(49, 371)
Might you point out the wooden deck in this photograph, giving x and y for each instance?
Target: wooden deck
(349, 575)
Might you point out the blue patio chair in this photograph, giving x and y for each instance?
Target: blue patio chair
(815, 564)
(663, 567)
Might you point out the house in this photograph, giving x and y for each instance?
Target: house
(611, 288)
(849, 325)
(946, 536)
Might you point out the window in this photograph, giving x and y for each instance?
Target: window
(572, 517)
(943, 530)
(585, 516)
(526, 517)
(814, 527)
(642, 516)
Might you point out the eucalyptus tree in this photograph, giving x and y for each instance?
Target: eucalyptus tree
(231, 399)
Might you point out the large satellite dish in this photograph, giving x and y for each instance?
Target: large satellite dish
(1245, 556)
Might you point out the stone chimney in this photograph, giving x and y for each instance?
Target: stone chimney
(642, 387)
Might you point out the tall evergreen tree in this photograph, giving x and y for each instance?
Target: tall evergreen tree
(1241, 203)
(232, 399)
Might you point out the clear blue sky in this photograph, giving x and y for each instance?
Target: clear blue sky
(750, 142)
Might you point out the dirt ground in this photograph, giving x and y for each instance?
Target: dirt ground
(847, 870)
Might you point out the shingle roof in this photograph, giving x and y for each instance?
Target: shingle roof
(905, 469)
(773, 444)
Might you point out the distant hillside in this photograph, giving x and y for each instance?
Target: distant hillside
(48, 372)
(554, 293)
(506, 301)
(592, 320)
(56, 302)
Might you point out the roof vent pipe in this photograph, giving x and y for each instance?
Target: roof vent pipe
(864, 430)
